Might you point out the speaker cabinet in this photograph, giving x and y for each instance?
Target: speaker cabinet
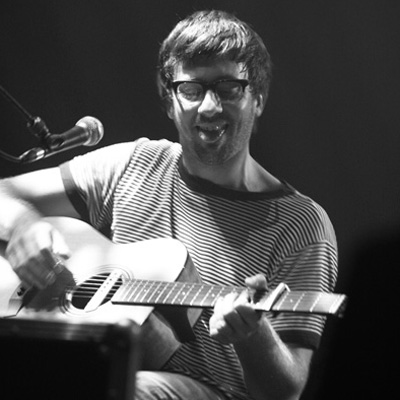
(55, 360)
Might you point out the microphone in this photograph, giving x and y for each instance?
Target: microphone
(88, 131)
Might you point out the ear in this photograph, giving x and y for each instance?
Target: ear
(169, 105)
(170, 109)
(260, 104)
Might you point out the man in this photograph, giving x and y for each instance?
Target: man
(240, 224)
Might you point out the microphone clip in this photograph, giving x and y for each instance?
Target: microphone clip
(39, 129)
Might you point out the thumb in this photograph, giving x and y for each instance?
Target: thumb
(257, 282)
(59, 246)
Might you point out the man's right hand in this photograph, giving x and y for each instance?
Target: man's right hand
(36, 253)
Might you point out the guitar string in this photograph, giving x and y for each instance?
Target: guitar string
(301, 302)
(175, 287)
(96, 282)
(90, 287)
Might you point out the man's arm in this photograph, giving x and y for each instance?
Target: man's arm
(34, 246)
(272, 369)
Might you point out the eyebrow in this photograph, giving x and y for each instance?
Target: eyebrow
(220, 78)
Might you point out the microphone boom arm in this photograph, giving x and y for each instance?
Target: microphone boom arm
(35, 124)
(88, 131)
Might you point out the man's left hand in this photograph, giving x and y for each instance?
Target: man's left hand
(235, 318)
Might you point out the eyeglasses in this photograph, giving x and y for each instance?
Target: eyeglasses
(227, 90)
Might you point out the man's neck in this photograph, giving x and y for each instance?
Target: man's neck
(247, 176)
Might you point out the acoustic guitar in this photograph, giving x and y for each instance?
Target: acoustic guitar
(152, 282)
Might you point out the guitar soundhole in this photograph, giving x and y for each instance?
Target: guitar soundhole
(84, 293)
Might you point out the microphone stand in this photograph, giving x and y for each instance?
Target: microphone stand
(35, 125)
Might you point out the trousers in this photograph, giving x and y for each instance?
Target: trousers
(169, 386)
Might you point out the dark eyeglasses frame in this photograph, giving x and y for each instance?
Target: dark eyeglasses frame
(210, 86)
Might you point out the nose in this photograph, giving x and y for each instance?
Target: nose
(210, 105)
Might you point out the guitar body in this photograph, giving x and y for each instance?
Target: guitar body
(153, 282)
(96, 269)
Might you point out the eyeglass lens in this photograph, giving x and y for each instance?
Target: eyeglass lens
(225, 90)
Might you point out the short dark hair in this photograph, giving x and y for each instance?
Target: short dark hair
(214, 34)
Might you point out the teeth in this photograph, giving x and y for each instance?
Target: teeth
(212, 128)
(211, 133)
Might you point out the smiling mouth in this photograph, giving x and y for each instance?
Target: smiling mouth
(211, 133)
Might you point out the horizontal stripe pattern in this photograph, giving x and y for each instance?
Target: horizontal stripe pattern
(287, 237)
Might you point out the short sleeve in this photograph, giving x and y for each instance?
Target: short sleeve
(312, 265)
(90, 181)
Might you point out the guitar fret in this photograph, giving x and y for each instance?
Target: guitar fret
(168, 286)
(158, 299)
(278, 306)
(201, 296)
(187, 294)
(135, 291)
(309, 302)
(220, 292)
(194, 299)
(176, 295)
(298, 302)
(170, 290)
(153, 292)
(140, 290)
(336, 303)
(316, 302)
(124, 290)
(319, 303)
(205, 297)
(140, 294)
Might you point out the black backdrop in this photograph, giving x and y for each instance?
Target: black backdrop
(330, 127)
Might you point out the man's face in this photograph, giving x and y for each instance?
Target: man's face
(212, 131)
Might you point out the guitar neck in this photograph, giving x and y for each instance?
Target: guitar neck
(311, 302)
(156, 293)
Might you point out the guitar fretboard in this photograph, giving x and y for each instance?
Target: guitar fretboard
(311, 302)
(155, 293)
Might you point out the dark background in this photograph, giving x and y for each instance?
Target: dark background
(330, 128)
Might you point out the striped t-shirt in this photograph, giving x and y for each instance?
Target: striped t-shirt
(140, 190)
